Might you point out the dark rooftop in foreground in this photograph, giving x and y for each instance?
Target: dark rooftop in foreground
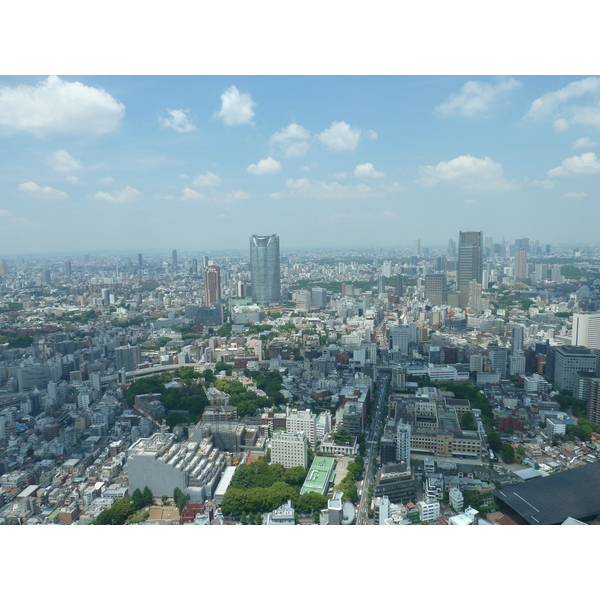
(550, 500)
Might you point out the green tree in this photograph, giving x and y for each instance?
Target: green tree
(147, 496)
(137, 499)
(341, 436)
(165, 500)
(467, 422)
(223, 366)
(508, 453)
(258, 519)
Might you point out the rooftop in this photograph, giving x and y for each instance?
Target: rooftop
(319, 475)
(550, 500)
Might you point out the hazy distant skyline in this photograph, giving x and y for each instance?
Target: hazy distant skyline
(131, 162)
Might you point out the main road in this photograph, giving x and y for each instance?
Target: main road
(371, 436)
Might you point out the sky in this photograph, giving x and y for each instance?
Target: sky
(93, 163)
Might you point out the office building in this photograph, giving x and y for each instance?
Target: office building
(302, 420)
(289, 449)
(284, 515)
(499, 358)
(140, 262)
(320, 476)
(586, 330)
(2, 267)
(403, 443)
(399, 286)
(521, 263)
(397, 482)
(470, 263)
(174, 262)
(517, 363)
(194, 266)
(436, 288)
(593, 400)
(67, 268)
(318, 297)
(451, 252)
(195, 467)
(212, 285)
(569, 360)
(265, 269)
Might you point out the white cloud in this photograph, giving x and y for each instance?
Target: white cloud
(339, 175)
(190, 194)
(467, 172)
(340, 136)
(63, 162)
(72, 179)
(323, 190)
(476, 98)
(236, 108)
(177, 120)
(586, 164)
(368, 171)
(127, 194)
(584, 142)
(546, 184)
(372, 135)
(238, 195)
(266, 166)
(574, 195)
(45, 192)
(4, 213)
(56, 106)
(230, 197)
(577, 103)
(470, 201)
(291, 141)
(107, 180)
(207, 180)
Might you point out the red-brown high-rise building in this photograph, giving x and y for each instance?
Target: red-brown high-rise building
(212, 284)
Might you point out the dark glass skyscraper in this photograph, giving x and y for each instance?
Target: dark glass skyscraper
(265, 269)
(470, 263)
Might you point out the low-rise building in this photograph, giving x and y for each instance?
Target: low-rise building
(429, 510)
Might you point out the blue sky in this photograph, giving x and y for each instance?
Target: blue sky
(92, 163)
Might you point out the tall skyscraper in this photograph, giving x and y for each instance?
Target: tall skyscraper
(436, 289)
(140, 261)
(418, 247)
(593, 400)
(67, 267)
(520, 263)
(586, 330)
(2, 267)
(470, 263)
(174, 260)
(212, 285)
(265, 269)
(194, 267)
(451, 249)
(518, 334)
(399, 286)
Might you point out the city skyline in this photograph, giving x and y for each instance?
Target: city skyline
(125, 162)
